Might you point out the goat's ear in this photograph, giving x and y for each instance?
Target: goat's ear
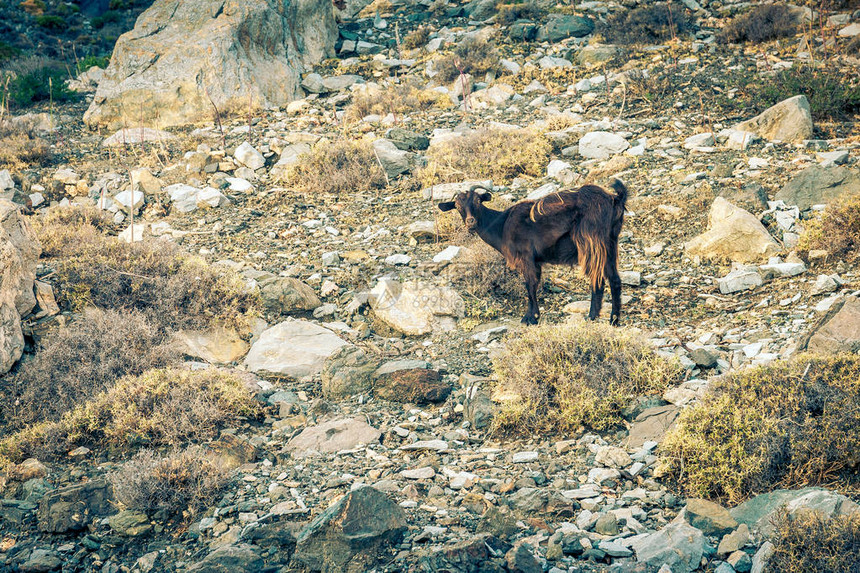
(446, 206)
(486, 197)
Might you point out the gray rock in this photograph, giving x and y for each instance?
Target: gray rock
(838, 330)
(762, 557)
(552, 62)
(733, 234)
(416, 308)
(229, 559)
(407, 140)
(284, 295)
(758, 512)
(711, 518)
(350, 534)
(607, 524)
(704, 357)
(294, 348)
(130, 523)
(332, 436)
(521, 558)
(339, 83)
(249, 157)
(651, 425)
(789, 120)
(6, 181)
(563, 26)
(740, 561)
(41, 561)
(601, 145)
(347, 372)
(740, 280)
(394, 161)
(734, 541)
(164, 70)
(677, 545)
(19, 251)
(817, 185)
(71, 508)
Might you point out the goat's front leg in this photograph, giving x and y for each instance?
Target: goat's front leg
(531, 273)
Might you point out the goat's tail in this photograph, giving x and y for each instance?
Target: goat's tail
(620, 200)
(592, 252)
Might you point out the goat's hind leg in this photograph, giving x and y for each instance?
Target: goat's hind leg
(614, 279)
(532, 274)
(596, 300)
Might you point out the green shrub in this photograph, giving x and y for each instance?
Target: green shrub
(158, 408)
(762, 23)
(647, 25)
(341, 167)
(90, 61)
(51, 22)
(489, 153)
(109, 17)
(472, 55)
(173, 289)
(809, 542)
(510, 12)
(833, 94)
(789, 424)
(183, 481)
(8, 51)
(40, 85)
(556, 378)
(76, 362)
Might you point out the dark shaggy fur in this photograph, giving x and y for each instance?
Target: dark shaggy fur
(565, 228)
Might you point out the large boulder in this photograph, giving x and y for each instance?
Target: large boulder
(416, 308)
(759, 512)
(818, 185)
(73, 507)
(349, 534)
(229, 559)
(838, 330)
(732, 234)
(332, 436)
(677, 545)
(789, 120)
(19, 252)
(236, 53)
(294, 348)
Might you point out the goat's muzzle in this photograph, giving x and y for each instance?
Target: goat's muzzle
(471, 224)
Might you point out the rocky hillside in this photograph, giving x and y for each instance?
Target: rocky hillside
(238, 334)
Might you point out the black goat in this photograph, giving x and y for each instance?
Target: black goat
(565, 228)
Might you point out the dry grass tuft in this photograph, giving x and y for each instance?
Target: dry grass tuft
(170, 287)
(472, 55)
(183, 481)
(168, 407)
(836, 229)
(508, 12)
(760, 24)
(808, 541)
(647, 25)
(417, 38)
(341, 167)
(21, 147)
(500, 155)
(788, 424)
(556, 378)
(398, 99)
(75, 363)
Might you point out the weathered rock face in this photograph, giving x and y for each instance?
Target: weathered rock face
(732, 234)
(332, 436)
(416, 308)
(71, 508)
(347, 372)
(839, 329)
(19, 251)
(295, 348)
(677, 545)
(758, 512)
(817, 185)
(351, 531)
(228, 559)
(238, 53)
(789, 120)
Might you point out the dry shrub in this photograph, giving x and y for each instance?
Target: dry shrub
(510, 12)
(556, 378)
(76, 362)
(64, 230)
(760, 24)
(398, 99)
(809, 541)
(647, 25)
(789, 424)
(472, 55)
(172, 288)
(417, 38)
(165, 407)
(836, 229)
(183, 481)
(341, 167)
(21, 147)
(488, 153)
